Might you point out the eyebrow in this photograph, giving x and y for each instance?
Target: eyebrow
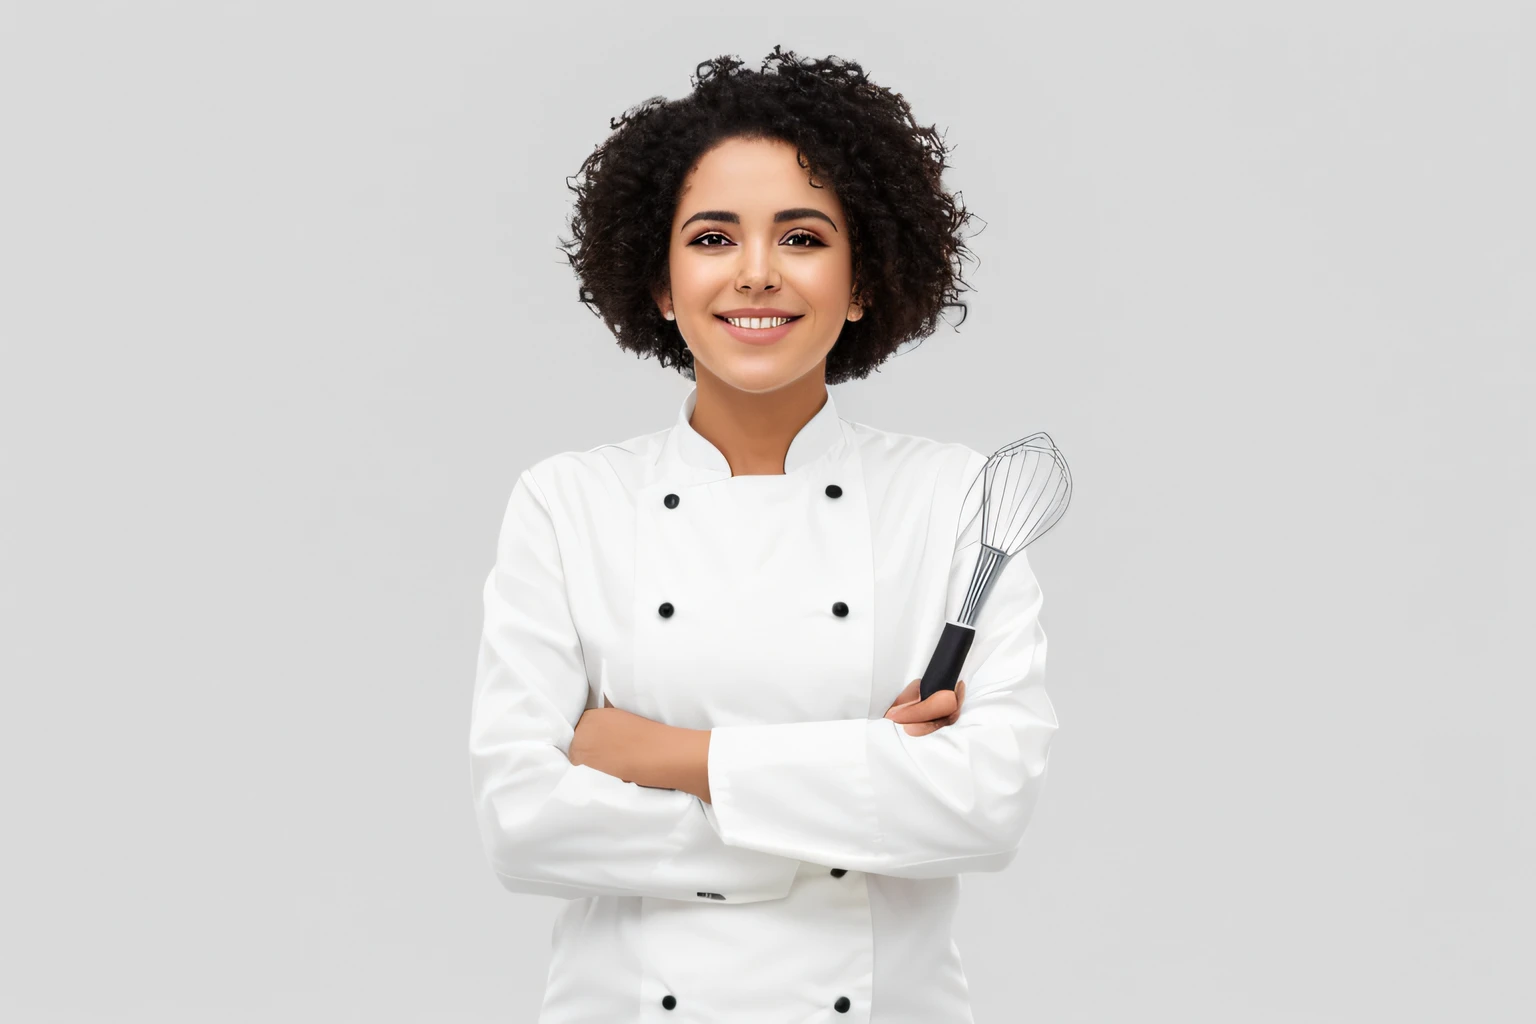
(799, 213)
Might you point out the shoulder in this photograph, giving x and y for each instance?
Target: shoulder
(620, 464)
(911, 460)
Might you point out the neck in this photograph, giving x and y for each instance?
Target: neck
(753, 430)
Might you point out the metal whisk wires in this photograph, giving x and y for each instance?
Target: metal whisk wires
(1025, 489)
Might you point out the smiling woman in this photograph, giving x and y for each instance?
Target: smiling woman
(753, 174)
(761, 278)
(695, 715)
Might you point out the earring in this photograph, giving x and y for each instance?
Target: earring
(670, 315)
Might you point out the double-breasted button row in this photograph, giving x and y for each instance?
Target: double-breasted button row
(665, 609)
(672, 500)
(843, 1004)
(840, 609)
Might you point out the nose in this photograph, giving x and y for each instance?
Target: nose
(759, 270)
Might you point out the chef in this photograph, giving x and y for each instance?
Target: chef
(682, 717)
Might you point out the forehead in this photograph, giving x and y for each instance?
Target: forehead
(754, 178)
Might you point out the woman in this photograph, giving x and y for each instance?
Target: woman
(689, 717)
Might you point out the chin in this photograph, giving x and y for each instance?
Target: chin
(761, 375)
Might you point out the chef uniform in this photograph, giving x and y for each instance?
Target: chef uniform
(784, 612)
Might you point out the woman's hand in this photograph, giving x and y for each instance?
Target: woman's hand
(614, 742)
(921, 717)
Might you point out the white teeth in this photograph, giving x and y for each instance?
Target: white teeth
(758, 322)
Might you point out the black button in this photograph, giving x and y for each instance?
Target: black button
(841, 1006)
(665, 609)
(669, 1002)
(670, 501)
(839, 872)
(840, 609)
(712, 895)
(834, 491)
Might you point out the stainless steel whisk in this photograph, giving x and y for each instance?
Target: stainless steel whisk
(1025, 488)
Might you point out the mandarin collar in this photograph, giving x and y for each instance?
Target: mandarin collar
(822, 435)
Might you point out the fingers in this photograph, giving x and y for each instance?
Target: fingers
(941, 708)
(924, 728)
(940, 705)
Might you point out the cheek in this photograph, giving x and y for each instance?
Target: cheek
(827, 285)
(692, 276)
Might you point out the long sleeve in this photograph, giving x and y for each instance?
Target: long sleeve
(865, 795)
(557, 829)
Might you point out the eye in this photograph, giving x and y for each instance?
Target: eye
(813, 241)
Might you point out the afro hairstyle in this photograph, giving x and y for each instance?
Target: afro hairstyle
(857, 137)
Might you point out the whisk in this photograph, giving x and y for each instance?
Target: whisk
(1025, 488)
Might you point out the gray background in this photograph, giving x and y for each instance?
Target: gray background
(283, 319)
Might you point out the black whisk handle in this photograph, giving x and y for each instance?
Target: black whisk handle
(943, 669)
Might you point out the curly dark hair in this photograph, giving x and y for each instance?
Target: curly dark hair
(857, 137)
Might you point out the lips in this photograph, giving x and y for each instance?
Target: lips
(758, 335)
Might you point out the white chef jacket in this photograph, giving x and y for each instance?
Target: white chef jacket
(785, 613)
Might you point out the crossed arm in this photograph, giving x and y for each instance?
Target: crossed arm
(737, 809)
(636, 749)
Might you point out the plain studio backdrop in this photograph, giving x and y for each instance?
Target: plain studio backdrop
(284, 319)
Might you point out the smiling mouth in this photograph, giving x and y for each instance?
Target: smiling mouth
(787, 322)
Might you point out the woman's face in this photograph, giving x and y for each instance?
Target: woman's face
(731, 251)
